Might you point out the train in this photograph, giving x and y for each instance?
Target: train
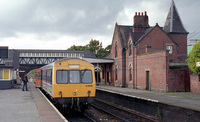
(70, 82)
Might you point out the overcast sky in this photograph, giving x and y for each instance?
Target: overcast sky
(59, 24)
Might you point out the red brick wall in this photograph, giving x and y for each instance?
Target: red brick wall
(155, 63)
(181, 40)
(118, 59)
(129, 61)
(178, 79)
(194, 83)
(156, 43)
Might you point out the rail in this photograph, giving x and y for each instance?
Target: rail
(125, 113)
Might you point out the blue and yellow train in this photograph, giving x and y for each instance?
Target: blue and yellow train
(70, 82)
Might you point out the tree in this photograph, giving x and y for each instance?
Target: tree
(193, 57)
(78, 48)
(94, 46)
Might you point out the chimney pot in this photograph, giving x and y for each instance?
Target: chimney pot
(139, 13)
(135, 13)
(145, 13)
(142, 13)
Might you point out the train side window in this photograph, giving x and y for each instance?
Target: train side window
(74, 76)
(49, 76)
(38, 75)
(86, 76)
(61, 76)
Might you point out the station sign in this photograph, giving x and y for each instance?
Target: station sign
(198, 64)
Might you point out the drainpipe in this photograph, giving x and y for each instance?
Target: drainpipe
(97, 73)
(167, 65)
(133, 66)
(124, 67)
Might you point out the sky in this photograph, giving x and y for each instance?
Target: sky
(59, 24)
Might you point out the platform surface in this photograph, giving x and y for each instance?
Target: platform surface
(26, 106)
(186, 100)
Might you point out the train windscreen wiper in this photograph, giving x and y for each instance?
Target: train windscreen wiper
(84, 72)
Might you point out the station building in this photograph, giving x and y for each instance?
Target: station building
(7, 71)
(150, 57)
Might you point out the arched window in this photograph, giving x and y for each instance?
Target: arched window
(116, 49)
(130, 48)
(115, 72)
(130, 72)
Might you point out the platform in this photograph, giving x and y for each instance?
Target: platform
(186, 100)
(26, 106)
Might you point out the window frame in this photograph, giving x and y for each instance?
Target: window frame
(116, 52)
(170, 48)
(80, 77)
(130, 50)
(67, 77)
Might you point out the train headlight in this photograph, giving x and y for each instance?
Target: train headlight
(89, 92)
(60, 93)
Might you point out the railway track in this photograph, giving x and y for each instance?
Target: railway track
(117, 113)
(74, 117)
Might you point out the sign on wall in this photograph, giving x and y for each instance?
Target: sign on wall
(198, 64)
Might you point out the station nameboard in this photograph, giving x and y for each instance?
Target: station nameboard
(198, 64)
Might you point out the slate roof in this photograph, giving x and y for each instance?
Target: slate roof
(173, 22)
(124, 31)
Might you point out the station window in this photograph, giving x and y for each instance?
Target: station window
(116, 50)
(130, 50)
(130, 73)
(21, 54)
(33, 54)
(61, 54)
(45, 54)
(49, 54)
(169, 47)
(53, 54)
(26, 54)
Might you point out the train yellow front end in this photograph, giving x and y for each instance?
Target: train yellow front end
(73, 78)
(70, 82)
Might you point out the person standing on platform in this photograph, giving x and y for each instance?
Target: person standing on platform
(25, 81)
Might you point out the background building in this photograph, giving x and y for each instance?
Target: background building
(151, 57)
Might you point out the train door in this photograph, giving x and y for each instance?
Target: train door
(38, 78)
(147, 80)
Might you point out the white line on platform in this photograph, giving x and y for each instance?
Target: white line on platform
(129, 95)
(65, 120)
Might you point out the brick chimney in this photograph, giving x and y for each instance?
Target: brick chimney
(141, 22)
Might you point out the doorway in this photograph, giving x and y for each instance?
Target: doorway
(147, 80)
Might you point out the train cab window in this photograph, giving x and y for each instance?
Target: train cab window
(74, 76)
(86, 76)
(61, 76)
